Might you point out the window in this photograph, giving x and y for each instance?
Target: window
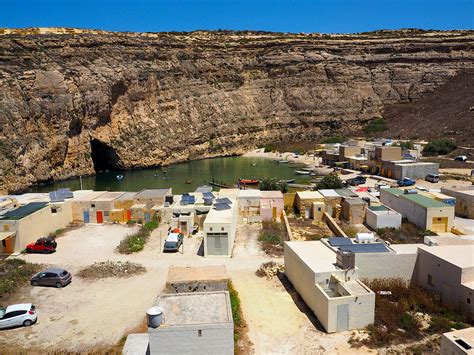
(106, 213)
(319, 209)
(54, 210)
(210, 228)
(222, 228)
(430, 280)
(468, 300)
(92, 204)
(13, 314)
(199, 333)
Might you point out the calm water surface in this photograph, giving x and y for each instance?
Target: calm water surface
(183, 177)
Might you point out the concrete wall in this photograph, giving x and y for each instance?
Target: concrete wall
(353, 213)
(382, 220)
(415, 172)
(446, 279)
(225, 227)
(196, 286)
(192, 339)
(385, 265)
(449, 347)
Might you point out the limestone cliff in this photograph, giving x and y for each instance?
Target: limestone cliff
(73, 102)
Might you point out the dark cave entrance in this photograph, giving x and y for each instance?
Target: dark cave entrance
(104, 156)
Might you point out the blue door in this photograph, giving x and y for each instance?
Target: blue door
(86, 216)
(147, 217)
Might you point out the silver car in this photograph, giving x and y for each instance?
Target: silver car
(52, 277)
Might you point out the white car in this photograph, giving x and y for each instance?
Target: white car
(18, 315)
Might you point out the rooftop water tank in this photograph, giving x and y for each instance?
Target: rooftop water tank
(365, 238)
(154, 317)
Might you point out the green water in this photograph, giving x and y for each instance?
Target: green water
(198, 173)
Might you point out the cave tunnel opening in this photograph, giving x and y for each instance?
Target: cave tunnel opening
(104, 156)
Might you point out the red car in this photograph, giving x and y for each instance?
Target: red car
(42, 245)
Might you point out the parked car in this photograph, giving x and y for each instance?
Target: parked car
(358, 180)
(16, 315)
(173, 242)
(434, 178)
(461, 158)
(52, 277)
(406, 182)
(42, 245)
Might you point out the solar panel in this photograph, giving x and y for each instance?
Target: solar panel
(221, 206)
(338, 241)
(55, 196)
(365, 248)
(208, 195)
(224, 200)
(192, 199)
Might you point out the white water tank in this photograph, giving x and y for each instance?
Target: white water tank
(154, 317)
(365, 238)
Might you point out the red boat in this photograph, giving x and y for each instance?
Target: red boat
(249, 181)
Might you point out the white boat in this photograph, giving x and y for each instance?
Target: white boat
(302, 172)
(119, 177)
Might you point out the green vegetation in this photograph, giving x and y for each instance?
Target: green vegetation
(15, 273)
(240, 337)
(136, 242)
(329, 182)
(269, 148)
(408, 233)
(439, 147)
(270, 184)
(376, 125)
(414, 310)
(406, 145)
(272, 237)
(332, 139)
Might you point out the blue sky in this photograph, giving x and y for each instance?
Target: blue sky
(330, 16)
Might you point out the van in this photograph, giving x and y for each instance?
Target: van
(434, 178)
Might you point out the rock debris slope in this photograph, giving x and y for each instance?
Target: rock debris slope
(73, 102)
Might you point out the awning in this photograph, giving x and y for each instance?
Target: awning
(5, 235)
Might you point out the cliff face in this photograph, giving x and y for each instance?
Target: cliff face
(74, 103)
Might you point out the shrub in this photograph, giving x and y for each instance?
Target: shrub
(109, 268)
(236, 311)
(135, 242)
(376, 125)
(269, 184)
(15, 273)
(272, 236)
(269, 148)
(332, 139)
(329, 182)
(439, 147)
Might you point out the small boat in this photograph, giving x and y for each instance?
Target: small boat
(254, 164)
(119, 177)
(166, 178)
(217, 184)
(249, 181)
(188, 182)
(289, 181)
(302, 172)
(156, 175)
(283, 161)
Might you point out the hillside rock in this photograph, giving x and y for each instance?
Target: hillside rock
(73, 102)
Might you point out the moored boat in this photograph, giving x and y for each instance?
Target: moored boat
(249, 181)
(302, 172)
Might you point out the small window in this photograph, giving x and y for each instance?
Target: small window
(319, 209)
(106, 213)
(430, 280)
(210, 228)
(54, 210)
(222, 228)
(199, 333)
(92, 205)
(468, 300)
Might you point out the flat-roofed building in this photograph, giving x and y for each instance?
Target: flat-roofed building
(458, 342)
(304, 202)
(193, 323)
(271, 205)
(332, 200)
(25, 224)
(464, 196)
(388, 153)
(338, 299)
(220, 226)
(426, 213)
(449, 271)
(153, 197)
(122, 207)
(249, 202)
(353, 210)
(102, 206)
(83, 206)
(196, 279)
(382, 217)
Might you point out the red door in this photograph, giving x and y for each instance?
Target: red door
(129, 215)
(100, 217)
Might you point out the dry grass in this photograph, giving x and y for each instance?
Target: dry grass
(308, 230)
(271, 237)
(408, 233)
(398, 316)
(15, 273)
(109, 268)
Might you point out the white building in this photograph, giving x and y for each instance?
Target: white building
(382, 217)
(458, 342)
(338, 299)
(220, 226)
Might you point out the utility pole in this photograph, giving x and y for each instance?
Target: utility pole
(80, 179)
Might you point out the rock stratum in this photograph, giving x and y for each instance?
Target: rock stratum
(73, 102)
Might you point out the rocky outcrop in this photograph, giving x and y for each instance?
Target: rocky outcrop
(73, 102)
